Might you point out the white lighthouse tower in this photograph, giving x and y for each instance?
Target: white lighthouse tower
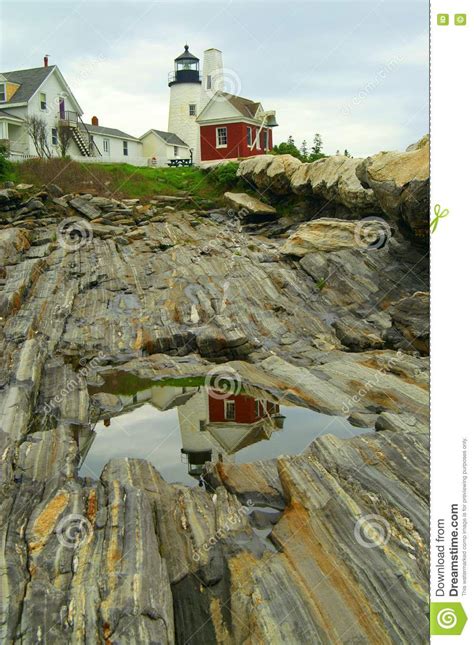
(189, 93)
(185, 92)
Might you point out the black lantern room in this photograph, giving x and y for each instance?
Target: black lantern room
(186, 69)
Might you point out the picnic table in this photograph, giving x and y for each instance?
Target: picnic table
(180, 162)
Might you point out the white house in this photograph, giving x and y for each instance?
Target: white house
(43, 92)
(160, 147)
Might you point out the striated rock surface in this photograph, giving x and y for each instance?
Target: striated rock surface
(160, 294)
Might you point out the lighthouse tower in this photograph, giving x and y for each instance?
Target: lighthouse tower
(189, 93)
(185, 92)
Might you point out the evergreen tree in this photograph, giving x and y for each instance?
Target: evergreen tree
(304, 150)
(317, 144)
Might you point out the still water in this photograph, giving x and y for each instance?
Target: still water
(178, 429)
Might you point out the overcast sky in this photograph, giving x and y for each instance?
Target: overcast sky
(356, 72)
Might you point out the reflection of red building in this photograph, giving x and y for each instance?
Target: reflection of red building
(240, 408)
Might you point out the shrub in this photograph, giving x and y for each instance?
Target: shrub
(225, 174)
(5, 165)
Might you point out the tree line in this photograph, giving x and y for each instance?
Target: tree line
(304, 153)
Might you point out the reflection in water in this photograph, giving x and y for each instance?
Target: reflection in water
(179, 429)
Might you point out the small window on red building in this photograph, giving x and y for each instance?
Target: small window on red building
(265, 139)
(229, 411)
(257, 408)
(249, 137)
(221, 137)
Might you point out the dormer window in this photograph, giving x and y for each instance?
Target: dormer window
(192, 109)
(3, 92)
(42, 98)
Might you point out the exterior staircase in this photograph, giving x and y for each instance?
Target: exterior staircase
(81, 139)
(80, 135)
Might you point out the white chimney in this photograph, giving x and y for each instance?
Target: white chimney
(212, 75)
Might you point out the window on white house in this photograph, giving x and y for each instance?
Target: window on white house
(221, 137)
(125, 148)
(3, 92)
(229, 412)
(43, 105)
(54, 136)
(192, 109)
(106, 145)
(209, 82)
(249, 137)
(176, 151)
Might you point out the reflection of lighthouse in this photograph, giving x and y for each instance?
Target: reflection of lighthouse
(190, 92)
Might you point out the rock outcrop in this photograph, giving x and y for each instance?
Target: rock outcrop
(394, 185)
(249, 205)
(91, 285)
(330, 234)
(400, 182)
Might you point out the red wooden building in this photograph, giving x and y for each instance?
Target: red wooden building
(232, 127)
(240, 408)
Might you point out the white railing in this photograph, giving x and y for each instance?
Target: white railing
(134, 161)
(15, 156)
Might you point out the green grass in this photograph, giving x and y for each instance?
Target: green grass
(117, 180)
(126, 383)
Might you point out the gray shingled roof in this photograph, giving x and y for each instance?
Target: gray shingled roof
(170, 138)
(29, 81)
(113, 132)
(246, 107)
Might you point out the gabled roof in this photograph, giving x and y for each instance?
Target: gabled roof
(168, 137)
(111, 132)
(246, 107)
(29, 81)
